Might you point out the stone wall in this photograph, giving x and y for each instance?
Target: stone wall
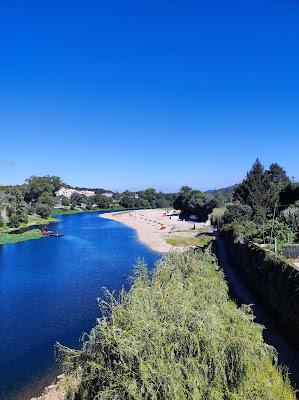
(273, 280)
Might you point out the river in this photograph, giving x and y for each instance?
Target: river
(48, 293)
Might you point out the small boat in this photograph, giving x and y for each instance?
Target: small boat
(56, 234)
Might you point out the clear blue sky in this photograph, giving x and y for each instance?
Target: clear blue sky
(131, 94)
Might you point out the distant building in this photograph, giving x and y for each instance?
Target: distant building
(107, 194)
(68, 192)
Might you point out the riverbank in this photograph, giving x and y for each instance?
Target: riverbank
(10, 238)
(32, 221)
(59, 211)
(158, 230)
(24, 232)
(59, 389)
(13, 235)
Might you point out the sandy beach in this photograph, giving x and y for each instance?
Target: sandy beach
(155, 226)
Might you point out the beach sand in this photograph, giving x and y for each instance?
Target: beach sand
(154, 227)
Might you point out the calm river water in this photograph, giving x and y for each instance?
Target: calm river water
(48, 292)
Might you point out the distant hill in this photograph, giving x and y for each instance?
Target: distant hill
(228, 189)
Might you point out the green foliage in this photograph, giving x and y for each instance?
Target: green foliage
(17, 210)
(46, 198)
(278, 175)
(14, 220)
(236, 212)
(44, 210)
(148, 198)
(127, 200)
(290, 194)
(200, 240)
(217, 216)
(257, 191)
(291, 217)
(9, 238)
(77, 199)
(191, 201)
(241, 231)
(221, 198)
(36, 186)
(254, 214)
(39, 193)
(176, 336)
(101, 201)
(274, 229)
(65, 201)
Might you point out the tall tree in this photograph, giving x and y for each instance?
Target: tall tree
(18, 209)
(36, 186)
(258, 191)
(278, 174)
(182, 196)
(101, 201)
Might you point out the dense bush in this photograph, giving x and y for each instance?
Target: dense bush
(217, 216)
(291, 217)
(43, 210)
(148, 198)
(237, 212)
(101, 201)
(14, 220)
(194, 202)
(274, 229)
(176, 336)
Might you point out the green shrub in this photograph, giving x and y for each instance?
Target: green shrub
(176, 336)
(217, 216)
(274, 229)
(291, 217)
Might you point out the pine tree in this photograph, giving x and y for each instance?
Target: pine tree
(257, 191)
(278, 174)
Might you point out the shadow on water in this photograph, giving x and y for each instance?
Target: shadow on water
(288, 352)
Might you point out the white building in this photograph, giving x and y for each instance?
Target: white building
(68, 192)
(107, 194)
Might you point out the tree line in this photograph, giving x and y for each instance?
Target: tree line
(35, 197)
(38, 196)
(264, 207)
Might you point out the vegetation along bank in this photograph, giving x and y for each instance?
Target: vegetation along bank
(175, 335)
(41, 197)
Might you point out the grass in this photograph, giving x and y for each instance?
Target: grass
(175, 335)
(32, 220)
(9, 238)
(58, 211)
(202, 240)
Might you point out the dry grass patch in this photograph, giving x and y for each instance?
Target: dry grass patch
(202, 240)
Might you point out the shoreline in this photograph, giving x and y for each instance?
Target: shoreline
(30, 231)
(160, 245)
(155, 228)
